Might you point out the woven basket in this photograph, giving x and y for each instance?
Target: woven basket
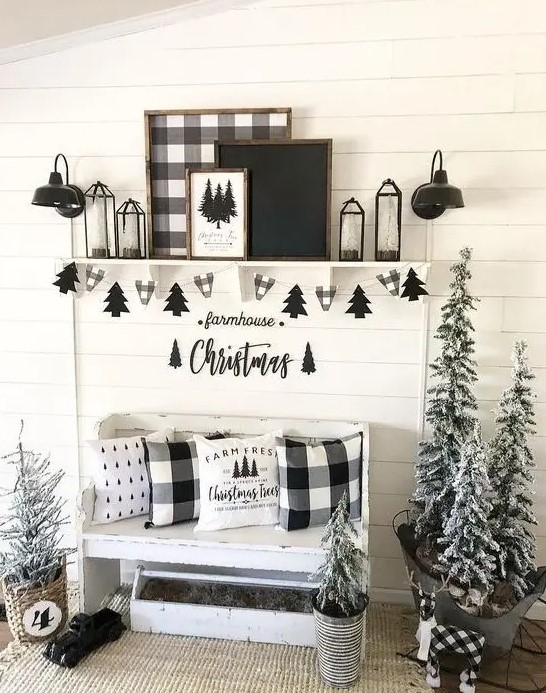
(19, 599)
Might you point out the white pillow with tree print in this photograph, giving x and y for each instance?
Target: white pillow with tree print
(122, 488)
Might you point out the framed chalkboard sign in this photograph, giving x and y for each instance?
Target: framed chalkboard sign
(289, 195)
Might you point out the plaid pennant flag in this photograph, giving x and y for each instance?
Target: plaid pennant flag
(391, 281)
(204, 283)
(145, 290)
(262, 284)
(325, 295)
(93, 277)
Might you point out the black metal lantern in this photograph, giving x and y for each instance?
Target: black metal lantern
(100, 222)
(351, 231)
(388, 222)
(131, 230)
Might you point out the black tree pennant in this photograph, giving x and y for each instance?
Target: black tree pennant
(67, 279)
(204, 283)
(295, 302)
(115, 301)
(359, 303)
(175, 360)
(325, 295)
(93, 277)
(262, 285)
(391, 281)
(145, 290)
(176, 301)
(413, 287)
(308, 364)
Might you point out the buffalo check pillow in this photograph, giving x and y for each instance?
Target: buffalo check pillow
(121, 481)
(313, 478)
(173, 473)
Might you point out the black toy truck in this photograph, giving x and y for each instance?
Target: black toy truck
(85, 634)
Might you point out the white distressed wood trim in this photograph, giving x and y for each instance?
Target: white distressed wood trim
(123, 27)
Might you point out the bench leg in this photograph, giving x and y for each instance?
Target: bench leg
(98, 577)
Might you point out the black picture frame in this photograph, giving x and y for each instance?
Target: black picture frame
(290, 187)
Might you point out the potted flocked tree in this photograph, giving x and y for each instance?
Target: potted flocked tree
(32, 563)
(340, 602)
(472, 505)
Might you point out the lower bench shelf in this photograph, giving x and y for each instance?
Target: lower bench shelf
(223, 606)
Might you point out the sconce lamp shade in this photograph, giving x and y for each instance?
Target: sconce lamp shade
(430, 200)
(67, 199)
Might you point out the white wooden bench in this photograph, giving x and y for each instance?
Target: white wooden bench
(251, 551)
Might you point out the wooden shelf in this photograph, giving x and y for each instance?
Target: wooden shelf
(300, 264)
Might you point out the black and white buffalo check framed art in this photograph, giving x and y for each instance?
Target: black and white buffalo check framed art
(177, 140)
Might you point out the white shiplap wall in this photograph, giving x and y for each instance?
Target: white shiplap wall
(389, 81)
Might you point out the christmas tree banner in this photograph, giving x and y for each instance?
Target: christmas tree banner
(391, 281)
(145, 290)
(262, 284)
(325, 295)
(204, 283)
(93, 277)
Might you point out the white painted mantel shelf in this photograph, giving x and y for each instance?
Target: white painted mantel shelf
(326, 269)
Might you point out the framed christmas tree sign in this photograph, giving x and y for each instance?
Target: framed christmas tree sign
(217, 213)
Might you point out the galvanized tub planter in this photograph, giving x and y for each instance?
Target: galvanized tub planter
(339, 646)
(500, 631)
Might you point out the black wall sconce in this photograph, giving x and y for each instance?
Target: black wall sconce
(67, 199)
(431, 199)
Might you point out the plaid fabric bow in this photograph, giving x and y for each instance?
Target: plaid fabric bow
(325, 295)
(262, 284)
(204, 283)
(391, 281)
(145, 290)
(93, 277)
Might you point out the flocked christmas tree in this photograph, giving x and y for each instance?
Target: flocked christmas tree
(359, 303)
(510, 462)
(176, 301)
(31, 529)
(450, 409)
(67, 278)
(175, 360)
(308, 365)
(340, 588)
(294, 302)
(115, 301)
(469, 548)
(413, 286)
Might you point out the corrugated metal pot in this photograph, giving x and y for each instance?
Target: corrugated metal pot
(339, 646)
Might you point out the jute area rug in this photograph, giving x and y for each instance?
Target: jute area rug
(146, 663)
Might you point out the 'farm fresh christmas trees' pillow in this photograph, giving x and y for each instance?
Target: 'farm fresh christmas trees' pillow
(239, 482)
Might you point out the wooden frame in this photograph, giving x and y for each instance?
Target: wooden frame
(148, 120)
(290, 142)
(189, 243)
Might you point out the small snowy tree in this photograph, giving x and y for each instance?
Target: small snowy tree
(450, 409)
(510, 461)
(31, 529)
(340, 589)
(470, 550)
